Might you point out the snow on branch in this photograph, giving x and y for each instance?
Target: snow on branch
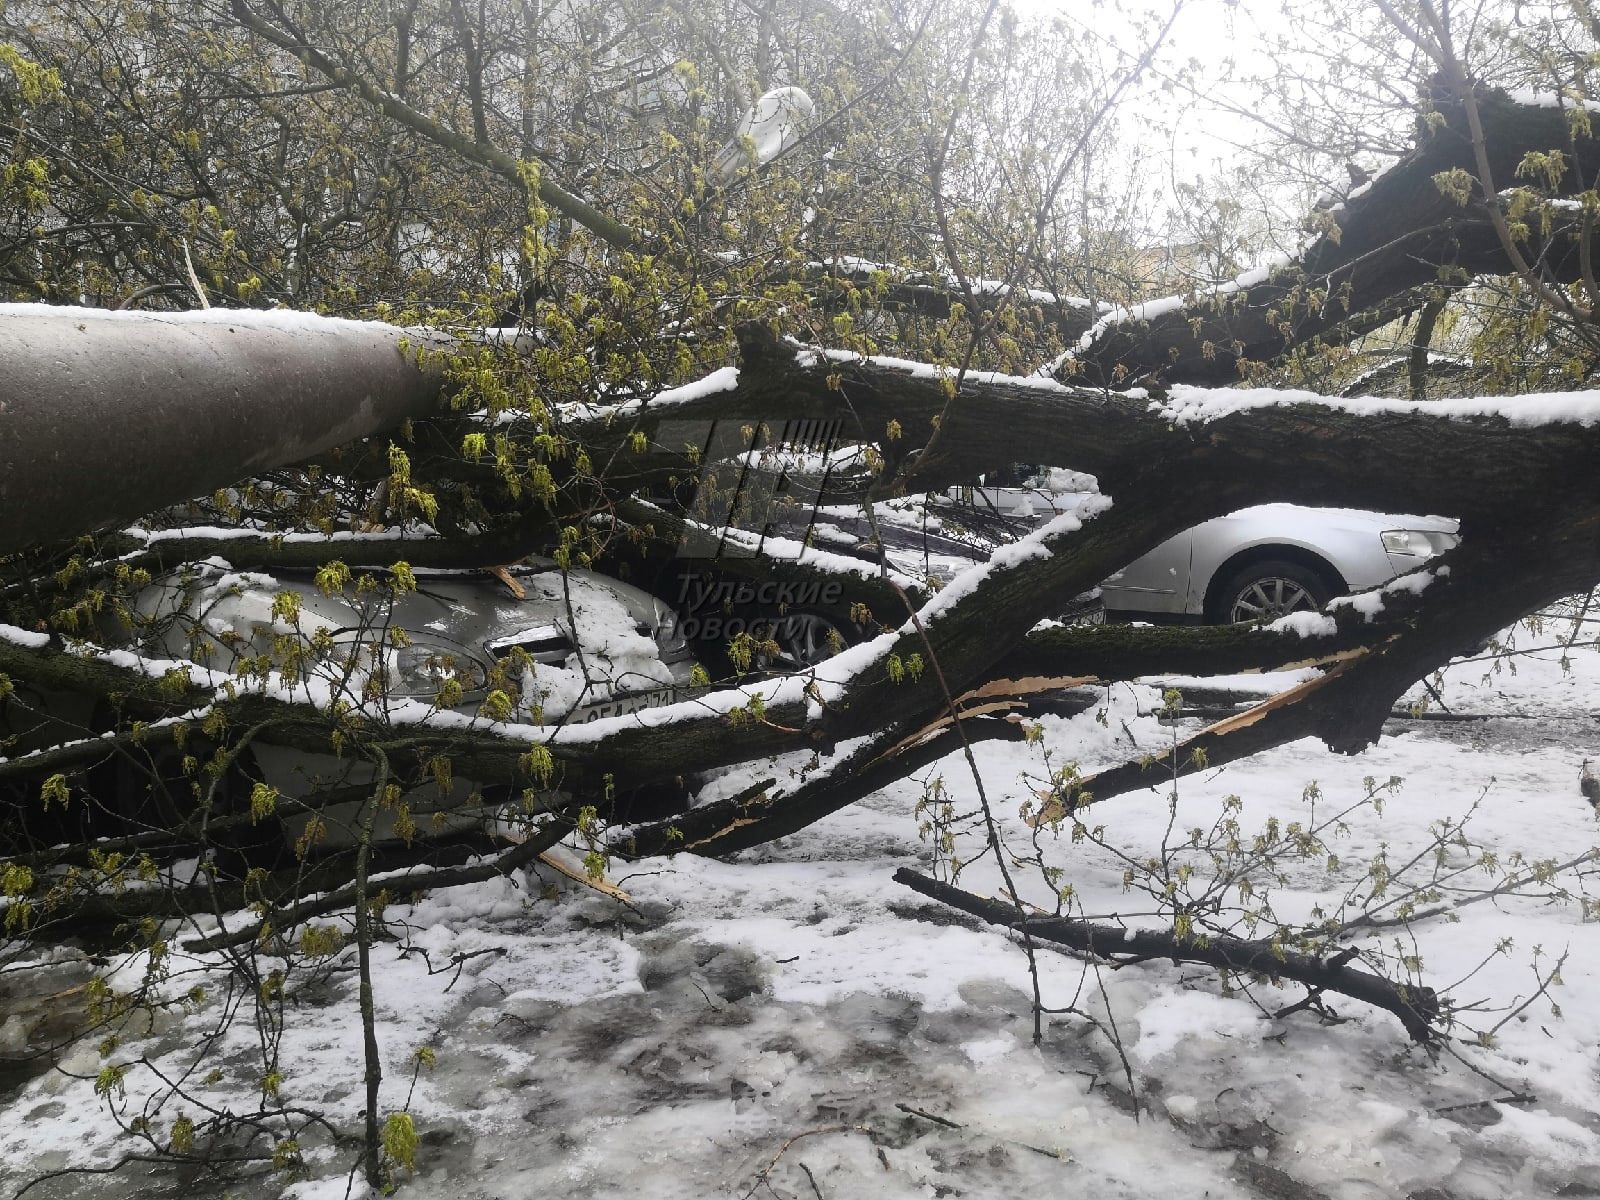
(1378, 249)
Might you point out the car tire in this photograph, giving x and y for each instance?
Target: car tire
(804, 640)
(1268, 589)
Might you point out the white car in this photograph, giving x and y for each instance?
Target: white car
(1262, 562)
(1255, 564)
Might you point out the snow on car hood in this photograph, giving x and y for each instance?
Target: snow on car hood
(595, 636)
(1350, 518)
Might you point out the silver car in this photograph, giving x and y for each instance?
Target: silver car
(1258, 563)
(1262, 562)
(463, 648)
(594, 646)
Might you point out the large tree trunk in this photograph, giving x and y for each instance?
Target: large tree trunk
(107, 416)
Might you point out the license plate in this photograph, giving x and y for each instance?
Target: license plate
(621, 706)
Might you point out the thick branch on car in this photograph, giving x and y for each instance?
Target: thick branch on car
(1476, 591)
(1291, 446)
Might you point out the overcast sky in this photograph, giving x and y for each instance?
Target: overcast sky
(1208, 39)
(1194, 106)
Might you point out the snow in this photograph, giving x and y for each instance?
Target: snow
(23, 637)
(286, 320)
(952, 282)
(1190, 405)
(1170, 1021)
(724, 379)
(1248, 683)
(1305, 624)
(922, 370)
(1538, 99)
(792, 550)
(231, 532)
(1151, 310)
(672, 1050)
(153, 667)
(1369, 604)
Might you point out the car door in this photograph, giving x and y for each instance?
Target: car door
(1157, 583)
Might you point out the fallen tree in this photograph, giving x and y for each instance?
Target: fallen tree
(1164, 468)
(354, 455)
(693, 364)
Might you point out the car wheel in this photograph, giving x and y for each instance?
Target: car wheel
(1269, 589)
(804, 639)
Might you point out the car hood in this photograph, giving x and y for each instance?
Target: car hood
(1283, 516)
(590, 637)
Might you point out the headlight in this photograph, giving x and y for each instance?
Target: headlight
(421, 668)
(1418, 543)
(669, 640)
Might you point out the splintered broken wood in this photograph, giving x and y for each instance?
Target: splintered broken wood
(755, 815)
(560, 861)
(1283, 699)
(513, 585)
(993, 698)
(1053, 811)
(563, 862)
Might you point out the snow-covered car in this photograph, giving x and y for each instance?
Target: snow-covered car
(1260, 562)
(590, 646)
(536, 645)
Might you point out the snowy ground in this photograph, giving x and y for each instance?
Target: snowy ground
(795, 1024)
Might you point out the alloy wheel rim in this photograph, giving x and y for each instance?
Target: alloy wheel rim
(1270, 598)
(803, 640)
(806, 639)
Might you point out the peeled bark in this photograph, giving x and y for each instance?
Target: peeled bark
(105, 417)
